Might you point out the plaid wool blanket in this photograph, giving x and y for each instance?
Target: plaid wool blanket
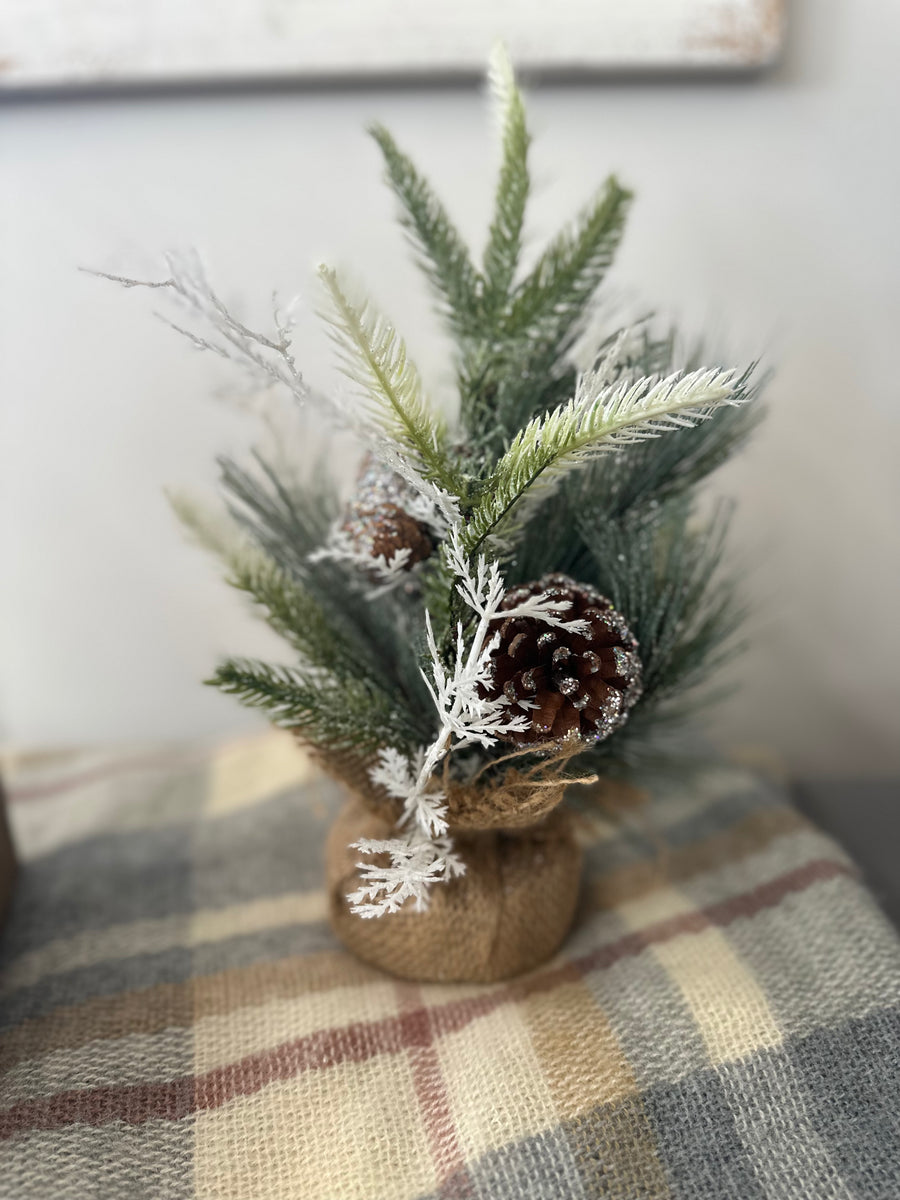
(176, 1019)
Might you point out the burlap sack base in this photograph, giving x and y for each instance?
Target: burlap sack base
(508, 914)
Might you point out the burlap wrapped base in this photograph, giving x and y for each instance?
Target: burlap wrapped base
(508, 913)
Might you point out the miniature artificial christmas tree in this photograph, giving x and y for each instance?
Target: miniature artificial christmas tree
(512, 603)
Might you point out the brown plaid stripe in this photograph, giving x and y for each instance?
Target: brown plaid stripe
(175, 1018)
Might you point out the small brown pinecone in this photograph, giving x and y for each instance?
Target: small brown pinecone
(378, 522)
(573, 685)
(384, 530)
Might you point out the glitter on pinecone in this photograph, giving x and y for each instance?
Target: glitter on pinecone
(572, 685)
(380, 522)
(377, 484)
(384, 530)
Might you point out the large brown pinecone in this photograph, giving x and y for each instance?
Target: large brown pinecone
(580, 685)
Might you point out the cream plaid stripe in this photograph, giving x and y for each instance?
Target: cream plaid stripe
(723, 1021)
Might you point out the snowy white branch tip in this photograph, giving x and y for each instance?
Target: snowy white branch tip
(268, 359)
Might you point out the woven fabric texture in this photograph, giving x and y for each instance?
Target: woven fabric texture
(177, 1020)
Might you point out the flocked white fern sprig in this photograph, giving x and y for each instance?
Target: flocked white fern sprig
(416, 864)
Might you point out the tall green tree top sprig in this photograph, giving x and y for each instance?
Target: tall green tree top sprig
(512, 334)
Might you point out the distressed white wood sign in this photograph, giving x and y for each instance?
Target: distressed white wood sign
(56, 42)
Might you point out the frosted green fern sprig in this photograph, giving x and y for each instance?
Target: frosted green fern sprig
(600, 417)
(391, 394)
(335, 716)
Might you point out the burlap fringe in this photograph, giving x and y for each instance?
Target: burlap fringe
(518, 799)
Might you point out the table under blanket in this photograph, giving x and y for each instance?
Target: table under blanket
(176, 1019)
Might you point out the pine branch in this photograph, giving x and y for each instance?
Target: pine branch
(333, 716)
(287, 519)
(441, 252)
(550, 305)
(597, 420)
(290, 524)
(293, 613)
(522, 369)
(656, 470)
(290, 609)
(665, 572)
(501, 256)
(376, 358)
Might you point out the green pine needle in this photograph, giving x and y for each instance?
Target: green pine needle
(440, 250)
(345, 717)
(293, 613)
(550, 304)
(519, 368)
(289, 608)
(288, 519)
(501, 256)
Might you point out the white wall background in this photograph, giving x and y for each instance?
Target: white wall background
(767, 209)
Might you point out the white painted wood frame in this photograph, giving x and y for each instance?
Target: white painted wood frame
(52, 43)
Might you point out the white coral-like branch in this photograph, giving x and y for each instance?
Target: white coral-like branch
(269, 360)
(416, 863)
